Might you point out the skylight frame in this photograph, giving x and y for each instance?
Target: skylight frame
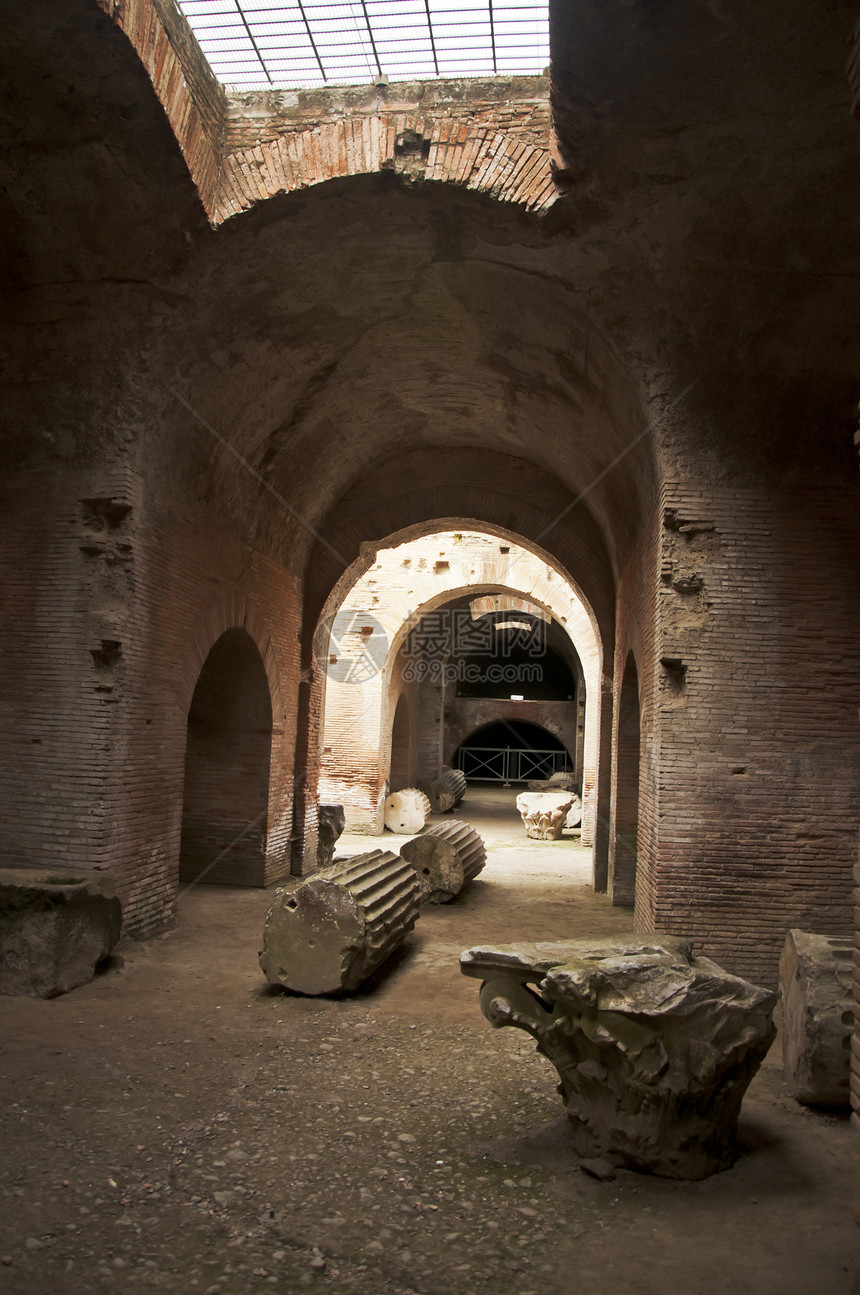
(300, 44)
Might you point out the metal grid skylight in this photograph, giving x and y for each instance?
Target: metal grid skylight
(291, 44)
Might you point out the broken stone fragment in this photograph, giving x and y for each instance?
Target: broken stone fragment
(446, 857)
(447, 790)
(332, 821)
(329, 932)
(817, 1017)
(573, 818)
(55, 928)
(406, 811)
(564, 780)
(544, 813)
(654, 1047)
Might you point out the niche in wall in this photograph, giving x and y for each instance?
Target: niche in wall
(227, 756)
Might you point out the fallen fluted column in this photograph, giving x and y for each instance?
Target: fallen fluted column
(406, 811)
(329, 932)
(447, 790)
(446, 857)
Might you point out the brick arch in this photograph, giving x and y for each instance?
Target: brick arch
(420, 147)
(358, 719)
(510, 710)
(233, 612)
(500, 149)
(573, 545)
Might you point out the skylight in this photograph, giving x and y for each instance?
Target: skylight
(292, 44)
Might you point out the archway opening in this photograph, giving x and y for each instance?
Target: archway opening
(471, 627)
(512, 751)
(402, 773)
(227, 757)
(623, 847)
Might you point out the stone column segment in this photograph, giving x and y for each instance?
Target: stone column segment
(817, 1017)
(446, 857)
(406, 811)
(447, 790)
(328, 933)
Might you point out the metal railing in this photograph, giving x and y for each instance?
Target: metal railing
(509, 764)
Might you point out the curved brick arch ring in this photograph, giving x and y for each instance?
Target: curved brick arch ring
(233, 612)
(500, 148)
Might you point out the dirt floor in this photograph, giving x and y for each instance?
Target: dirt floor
(179, 1125)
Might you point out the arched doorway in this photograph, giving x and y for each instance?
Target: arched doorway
(447, 586)
(511, 751)
(227, 756)
(402, 773)
(623, 846)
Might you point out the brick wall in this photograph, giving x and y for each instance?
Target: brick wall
(757, 772)
(114, 604)
(403, 754)
(625, 801)
(196, 582)
(634, 641)
(195, 103)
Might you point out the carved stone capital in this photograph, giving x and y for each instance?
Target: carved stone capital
(654, 1047)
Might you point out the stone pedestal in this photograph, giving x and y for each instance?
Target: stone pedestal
(655, 1048)
(544, 813)
(55, 927)
(446, 857)
(328, 933)
(817, 1017)
(406, 811)
(332, 821)
(447, 790)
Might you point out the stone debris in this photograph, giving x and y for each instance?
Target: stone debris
(55, 928)
(446, 857)
(406, 811)
(330, 932)
(817, 1017)
(564, 780)
(332, 821)
(544, 813)
(600, 1169)
(654, 1047)
(447, 790)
